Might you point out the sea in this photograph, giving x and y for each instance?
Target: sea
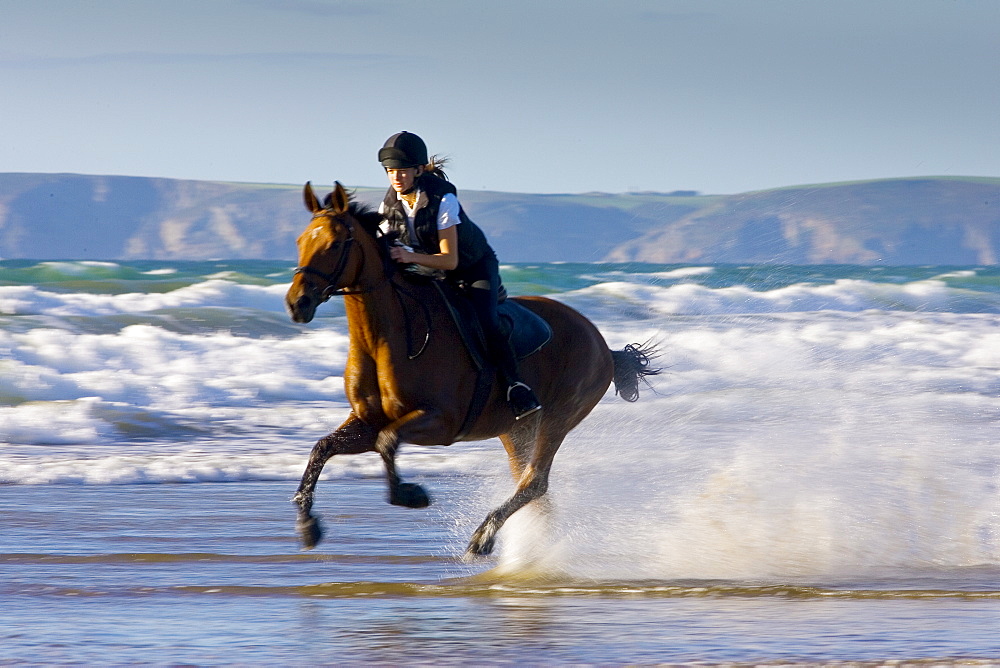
(813, 478)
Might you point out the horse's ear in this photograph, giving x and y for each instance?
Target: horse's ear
(312, 203)
(339, 199)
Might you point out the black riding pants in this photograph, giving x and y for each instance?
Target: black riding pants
(484, 279)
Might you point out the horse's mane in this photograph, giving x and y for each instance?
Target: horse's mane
(367, 217)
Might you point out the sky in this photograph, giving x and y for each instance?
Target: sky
(540, 96)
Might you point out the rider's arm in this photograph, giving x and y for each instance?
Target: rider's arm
(447, 257)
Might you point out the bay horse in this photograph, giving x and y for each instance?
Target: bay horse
(422, 397)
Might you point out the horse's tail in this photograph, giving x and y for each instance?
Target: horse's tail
(631, 366)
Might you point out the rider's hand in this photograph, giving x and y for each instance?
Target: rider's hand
(400, 254)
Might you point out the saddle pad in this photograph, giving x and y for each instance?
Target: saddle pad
(525, 329)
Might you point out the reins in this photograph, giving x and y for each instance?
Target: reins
(398, 290)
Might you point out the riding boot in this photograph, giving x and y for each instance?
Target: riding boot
(520, 397)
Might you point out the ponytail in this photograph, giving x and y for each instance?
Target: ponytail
(436, 166)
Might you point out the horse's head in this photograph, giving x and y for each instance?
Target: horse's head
(332, 249)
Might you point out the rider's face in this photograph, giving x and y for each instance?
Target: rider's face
(402, 180)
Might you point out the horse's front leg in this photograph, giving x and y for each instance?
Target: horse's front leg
(419, 426)
(352, 437)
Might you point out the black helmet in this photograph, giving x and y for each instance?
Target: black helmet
(403, 149)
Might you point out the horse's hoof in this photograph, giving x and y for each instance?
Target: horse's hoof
(410, 495)
(479, 547)
(309, 532)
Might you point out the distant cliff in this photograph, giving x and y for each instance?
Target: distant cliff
(895, 221)
(60, 216)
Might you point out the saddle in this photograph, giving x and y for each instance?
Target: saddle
(525, 331)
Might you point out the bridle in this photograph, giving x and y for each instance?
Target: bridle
(334, 276)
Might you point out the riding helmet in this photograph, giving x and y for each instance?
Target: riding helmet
(403, 149)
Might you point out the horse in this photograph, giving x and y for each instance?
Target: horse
(419, 392)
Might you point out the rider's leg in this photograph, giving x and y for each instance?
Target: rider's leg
(484, 293)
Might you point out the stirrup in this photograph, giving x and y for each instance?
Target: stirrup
(523, 402)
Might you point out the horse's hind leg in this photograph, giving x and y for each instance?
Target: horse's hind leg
(352, 437)
(532, 483)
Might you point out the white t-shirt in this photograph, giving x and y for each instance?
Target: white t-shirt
(447, 214)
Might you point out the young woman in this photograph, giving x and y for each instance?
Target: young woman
(422, 207)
